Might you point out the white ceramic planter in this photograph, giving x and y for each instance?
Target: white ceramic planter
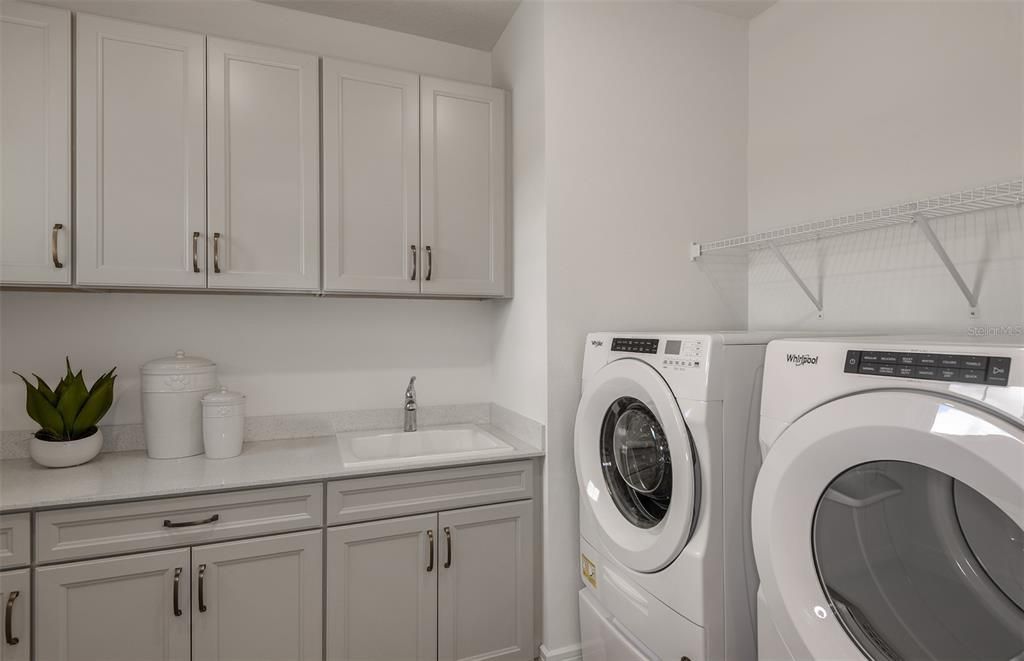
(61, 454)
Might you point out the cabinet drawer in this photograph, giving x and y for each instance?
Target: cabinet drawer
(15, 540)
(368, 498)
(111, 529)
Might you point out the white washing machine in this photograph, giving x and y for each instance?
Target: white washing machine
(666, 458)
(888, 512)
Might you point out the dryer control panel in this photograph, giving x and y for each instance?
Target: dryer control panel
(988, 370)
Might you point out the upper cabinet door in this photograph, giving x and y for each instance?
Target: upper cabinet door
(463, 197)
(485, 585)
(371, 178)
(118, 609)
(35, 158)
(264, 155)
(259, 599)
(141, 166)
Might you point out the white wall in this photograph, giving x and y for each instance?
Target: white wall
(520, 325)
(862, 104)
(289, 354)
(646, 118)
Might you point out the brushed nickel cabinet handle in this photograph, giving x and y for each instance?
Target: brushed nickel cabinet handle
(195, 252)
(216, 252)
(53, 245)
(177, 581)
(202, 582)
(188, 524)
(448, 543)
(413, 249)
(8, 617)
(430, 540)
(430, 263)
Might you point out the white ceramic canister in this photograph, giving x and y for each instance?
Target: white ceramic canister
(223, 423)
(172, 412)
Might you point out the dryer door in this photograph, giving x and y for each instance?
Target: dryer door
(888, 525)
(636, 464)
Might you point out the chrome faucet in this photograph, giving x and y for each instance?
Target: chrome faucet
(410, 405)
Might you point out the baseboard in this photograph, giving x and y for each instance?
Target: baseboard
(567, 653)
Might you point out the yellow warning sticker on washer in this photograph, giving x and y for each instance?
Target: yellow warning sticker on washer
(589, 570)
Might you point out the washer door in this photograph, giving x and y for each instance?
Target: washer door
(888, 526)
(636, 465)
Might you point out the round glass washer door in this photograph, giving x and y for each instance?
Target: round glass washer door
(636, 465)
(887, 526)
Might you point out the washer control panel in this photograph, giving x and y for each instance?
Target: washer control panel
(635, 344)
(683, 354)
(988, 370)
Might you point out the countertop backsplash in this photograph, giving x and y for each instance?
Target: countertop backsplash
(121, 438)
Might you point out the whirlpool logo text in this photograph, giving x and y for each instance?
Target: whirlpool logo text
(801, 359)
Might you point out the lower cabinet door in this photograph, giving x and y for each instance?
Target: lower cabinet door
(127, 608)
(258, 599)
(485, 584)
(16, 599)
(382, 590)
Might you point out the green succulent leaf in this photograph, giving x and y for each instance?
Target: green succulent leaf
(95, 407)
(41, 385)
(72, 400)
(42, 411)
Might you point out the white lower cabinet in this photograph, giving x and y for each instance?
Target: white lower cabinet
(258, 599)
(454, 585)
(16, 598)
(132, 607)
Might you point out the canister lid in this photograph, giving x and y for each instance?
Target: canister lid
(179, 363)
(222, 397)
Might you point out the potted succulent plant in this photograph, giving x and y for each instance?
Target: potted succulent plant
(67, 416)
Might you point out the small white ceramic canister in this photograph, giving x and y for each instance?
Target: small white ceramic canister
(172, 412)
(223, 423)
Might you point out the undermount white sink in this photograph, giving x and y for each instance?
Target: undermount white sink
(400, 447)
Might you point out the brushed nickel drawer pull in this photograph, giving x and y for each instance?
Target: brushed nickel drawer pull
(430, 263)
(448, 543)
(188, 524)
(413, 249)
(53, 240)
(177, 581)
(216, 252)
(195, 252)
(202, 582)
(430, 540)
(8, 617)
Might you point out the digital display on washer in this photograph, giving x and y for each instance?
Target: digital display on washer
(635, 345)
(673, 347)
(990, 370)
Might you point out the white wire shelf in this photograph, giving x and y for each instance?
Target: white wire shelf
(1008, 193)
(969, 201)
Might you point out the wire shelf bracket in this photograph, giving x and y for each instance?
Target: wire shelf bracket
(919, 213)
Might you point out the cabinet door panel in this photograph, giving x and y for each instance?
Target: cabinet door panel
(35, 130)
(463, 197)
(120, 609)
(141, 164)
(371, 178)
(11, 582)
(264, 152)
(485, 598)
(381, 598)
(263, 599)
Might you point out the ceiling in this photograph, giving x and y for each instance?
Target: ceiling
(473, 23)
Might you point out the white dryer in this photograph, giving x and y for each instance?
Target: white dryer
(888, 518)
(666, 458)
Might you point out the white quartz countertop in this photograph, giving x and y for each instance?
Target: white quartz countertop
(132, 475)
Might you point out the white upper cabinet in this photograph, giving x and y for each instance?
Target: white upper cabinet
(463, 188)
(141, 166)
(263, 157)
(371, 178)
(35, 145)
